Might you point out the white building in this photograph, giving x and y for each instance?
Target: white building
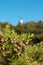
(21, 21)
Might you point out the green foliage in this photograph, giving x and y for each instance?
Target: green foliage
(17, 49)
(32, 27)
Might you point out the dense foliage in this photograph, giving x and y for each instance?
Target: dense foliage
(18, 49)
(29, 27)
(32, 27)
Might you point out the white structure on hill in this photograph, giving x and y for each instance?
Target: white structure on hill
(21, 21)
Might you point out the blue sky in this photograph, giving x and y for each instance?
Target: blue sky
(28, 10)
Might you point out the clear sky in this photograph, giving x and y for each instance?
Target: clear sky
(28, 10)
